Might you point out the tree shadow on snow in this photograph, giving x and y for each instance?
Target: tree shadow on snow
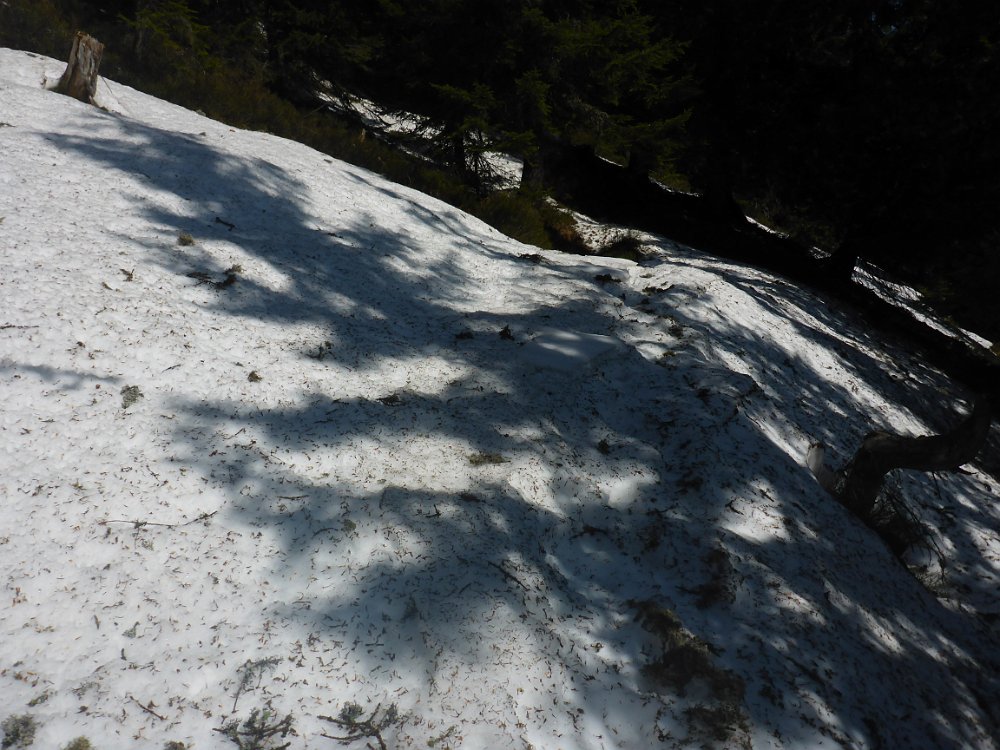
(451, 532)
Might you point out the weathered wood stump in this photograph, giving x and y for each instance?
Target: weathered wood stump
(80, 78)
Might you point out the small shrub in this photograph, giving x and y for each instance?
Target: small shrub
(560, 225)
(527, 215)
(628, 247)
(185, 239)
(260, 731)
(18, 731)
(80, 743)
(357, 728)
(516, 215)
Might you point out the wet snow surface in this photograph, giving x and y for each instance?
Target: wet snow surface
(276, 432)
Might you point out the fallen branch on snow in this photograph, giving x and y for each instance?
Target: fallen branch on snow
(858, 486)
(140, 524)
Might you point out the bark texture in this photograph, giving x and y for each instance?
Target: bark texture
(80, 78)
(881, 452)
(859, 484)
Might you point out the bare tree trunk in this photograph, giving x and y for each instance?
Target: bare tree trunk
(857, 485)
(841, 263)
(881, 452)
(718, 193)
(80, 78)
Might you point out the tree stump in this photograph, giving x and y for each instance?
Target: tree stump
(80, 78)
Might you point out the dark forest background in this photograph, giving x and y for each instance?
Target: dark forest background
(863, 128)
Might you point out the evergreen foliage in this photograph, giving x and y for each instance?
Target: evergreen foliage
(866, 127)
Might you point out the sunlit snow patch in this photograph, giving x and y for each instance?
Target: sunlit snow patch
(568, 350)
(900, 295)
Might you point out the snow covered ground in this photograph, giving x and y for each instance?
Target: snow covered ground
(912, 301)
(277, 433)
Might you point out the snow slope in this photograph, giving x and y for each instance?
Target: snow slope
(276, 432)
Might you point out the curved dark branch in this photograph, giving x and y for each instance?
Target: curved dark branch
(858, 485)
(881, 452)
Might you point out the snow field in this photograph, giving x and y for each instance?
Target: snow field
(393, 461)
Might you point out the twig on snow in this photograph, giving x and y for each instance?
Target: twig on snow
(148, 709)
(509, 576)
(139, 524)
